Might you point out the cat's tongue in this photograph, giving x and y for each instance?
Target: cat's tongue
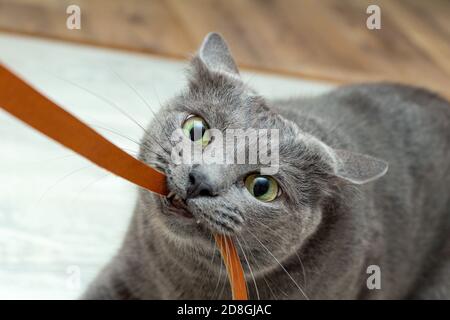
(25, 103)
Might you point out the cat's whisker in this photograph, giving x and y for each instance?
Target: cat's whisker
(73, 155)
(211, 271)
(296, 253)
(129, 139)
(90, 184)
(279, 263)
(116, 107)
(39, 162)
(160, 105)
(107, 101)
(141, 98)
(218, 279)
(211, 240)
(255, 261)
(153, 140)
(249, 267)
(62, 179)
(224, 284)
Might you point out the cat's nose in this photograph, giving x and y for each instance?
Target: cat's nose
(200, 185)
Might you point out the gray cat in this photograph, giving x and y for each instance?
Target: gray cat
(321, 227)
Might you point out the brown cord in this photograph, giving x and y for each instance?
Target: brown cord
(233, 266)
(25, 103)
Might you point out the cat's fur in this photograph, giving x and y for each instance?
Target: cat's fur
(331, 222)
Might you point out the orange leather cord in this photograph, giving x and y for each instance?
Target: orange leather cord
(25, 103)
(233, 265)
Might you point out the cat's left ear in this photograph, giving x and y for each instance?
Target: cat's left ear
(216, 57)
(358, 168)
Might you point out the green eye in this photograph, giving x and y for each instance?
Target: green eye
(195, 128)
(264, 188)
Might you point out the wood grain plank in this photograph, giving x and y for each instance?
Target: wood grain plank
(325, 39)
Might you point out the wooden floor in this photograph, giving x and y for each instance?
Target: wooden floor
(325, 39)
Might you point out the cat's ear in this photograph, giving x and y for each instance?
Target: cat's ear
(358, 168)
(216, 57)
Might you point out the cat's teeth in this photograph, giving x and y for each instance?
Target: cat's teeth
(171, 194)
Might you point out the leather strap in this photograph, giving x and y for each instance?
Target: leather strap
(233, 266)
(25, 103)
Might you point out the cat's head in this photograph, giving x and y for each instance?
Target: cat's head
(271, 211)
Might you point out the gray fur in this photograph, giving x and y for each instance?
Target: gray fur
(332, 219)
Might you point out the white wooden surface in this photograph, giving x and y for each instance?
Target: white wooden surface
(62, 218)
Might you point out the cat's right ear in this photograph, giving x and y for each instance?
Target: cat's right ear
(358, 168)
(215, 56)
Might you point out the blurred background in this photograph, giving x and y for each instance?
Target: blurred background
(325, 39)
(62, 218)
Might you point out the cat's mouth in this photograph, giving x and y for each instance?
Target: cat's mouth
(222, 222)
(178, 206)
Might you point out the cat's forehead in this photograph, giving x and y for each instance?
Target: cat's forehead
(233, 110)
